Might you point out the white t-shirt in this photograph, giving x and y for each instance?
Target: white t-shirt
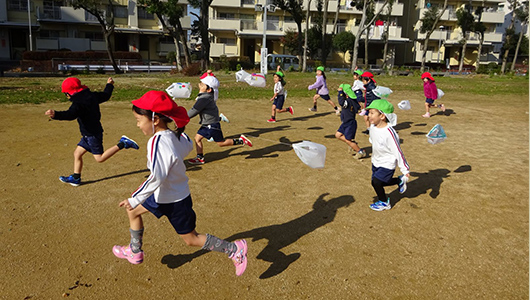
(165, 160)
(278, 88)
(358, 85)
(386, 151)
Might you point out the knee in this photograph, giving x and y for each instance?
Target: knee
(338, 135)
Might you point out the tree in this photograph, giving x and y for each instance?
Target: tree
(296, 9)
(479, 28)
(324, 34)
(304, 63)
(429, 23)
(369, 16)
(336, 20)
(507, 40)
(103, 11)
(172, 12)
(201, 26)
(522, 16)
(344, 42)
(291, 41)
(386, 18)
(465, 20)
(362, 5)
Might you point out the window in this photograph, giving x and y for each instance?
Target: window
(226, 16)
(227, 41)
(288, 19)
(120, 12)
(143, 14)
(94, 36)
(17, 5)
(50, 34)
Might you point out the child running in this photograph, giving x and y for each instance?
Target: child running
(279, 97)
(166, 191)
(206, 108)
(85, 108)
(369, 85)
(350, 107)
(386, 153)
(358, 88)
(209, 78)
(431, 94)
(322, 91)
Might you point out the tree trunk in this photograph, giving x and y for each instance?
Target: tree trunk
(385, 35)
(462, 55)
(428, 35)
(110, 52)
(205, 36)
(324, 47)
(177, 52)
(183, 39)
(517, 48)
(336, 18)
(479, 50)
(358, 37)
(366, 38)
(507, 41)
(300, 40)
(304, 63)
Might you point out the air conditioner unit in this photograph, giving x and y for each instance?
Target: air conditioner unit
(350, 4)
(271, 8)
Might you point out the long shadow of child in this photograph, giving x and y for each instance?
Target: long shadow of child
(279, 236)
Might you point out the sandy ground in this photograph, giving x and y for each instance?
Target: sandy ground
(459, 232)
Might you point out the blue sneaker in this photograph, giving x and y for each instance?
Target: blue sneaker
(402, 184)
(71, 180)
(380, 205)
(128, 143)
(224, 118)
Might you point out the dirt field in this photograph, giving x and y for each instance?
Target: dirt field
(459, 232)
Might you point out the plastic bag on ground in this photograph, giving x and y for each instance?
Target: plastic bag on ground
(179, 90)
(382, 92)
(256, 80)
(440, 94)
(404, 105)
(241, 75)
(311, 154)
(436, 134)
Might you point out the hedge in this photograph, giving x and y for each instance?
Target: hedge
(76, 55)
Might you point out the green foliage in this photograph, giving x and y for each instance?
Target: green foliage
(225, 63)
(465, 19)
(491, 68)
(511, 40)
(290, 41)
(429, 18)
(344, 41)
(171, 57)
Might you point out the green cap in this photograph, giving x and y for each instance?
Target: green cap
(321, 68)
(382, 105)
(347, 89)
(358, 72)
(279, 74)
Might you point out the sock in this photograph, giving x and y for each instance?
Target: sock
(201, 156)
(314, 106)
(121, 145)
(214, 243)
(76, 175)
(238, 141)
(273, 117)
(136, 240)
(335, 108)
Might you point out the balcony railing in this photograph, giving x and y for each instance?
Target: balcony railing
(273, 25)
(247, 2)
(51, 13)
(248, 25)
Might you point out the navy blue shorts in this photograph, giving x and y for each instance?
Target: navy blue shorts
(383, 174)
(429, 100)
(359, 95)
(278, 101)
(212, 131)
(348, 129)
(325, 97)
(180, 214)
(92, 144)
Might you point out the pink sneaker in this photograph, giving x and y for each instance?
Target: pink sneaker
(426, 115)
(240, 257)
(196, 161)
(246, 141)
(442, 107)
(126, 252)
(291, 110)
(271, 120)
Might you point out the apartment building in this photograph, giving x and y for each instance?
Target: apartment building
(237, 29)
(444, 44)
(57, 25)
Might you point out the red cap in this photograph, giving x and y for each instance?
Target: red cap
(367, 74)
(160, 102)
(427, 75)
(72, 85)
(206, 74)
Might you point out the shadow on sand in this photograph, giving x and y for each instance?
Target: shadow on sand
(115, 176)
(279, 236)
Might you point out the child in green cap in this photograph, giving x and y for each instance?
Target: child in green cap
(358, 88)
(322, 91)
(279, 96)
(348, 128)
(386, 153)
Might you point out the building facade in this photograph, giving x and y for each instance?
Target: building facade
(57, 25)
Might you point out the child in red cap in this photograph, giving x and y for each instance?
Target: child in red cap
(369, 84)
(166, 191)
(431, 94)
(85, 108)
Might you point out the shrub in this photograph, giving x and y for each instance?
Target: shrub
(193, 69)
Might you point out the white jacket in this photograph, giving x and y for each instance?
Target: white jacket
(386, 151)
(165, 160)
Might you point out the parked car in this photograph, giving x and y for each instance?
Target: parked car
(284, 60)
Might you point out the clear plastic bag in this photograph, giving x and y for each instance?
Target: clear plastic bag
(311, 154)
(404, 105)
(382, 92)
(436, 134)
(440, 94)
(179, 90)
(256, 80)
(242, 75)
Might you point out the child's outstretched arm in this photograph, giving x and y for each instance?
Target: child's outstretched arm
(107, 92)
(398, 153)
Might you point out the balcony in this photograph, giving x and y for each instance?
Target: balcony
(376, 32)
(397, 8)
(218, 49)
(248, 25)
(289, 26)
(228, 3)
(493, 17)
(493, 37)
(436, 35)
(47, 44)
(74, 44)
(225, 24)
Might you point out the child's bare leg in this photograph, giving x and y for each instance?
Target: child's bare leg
(198, 144)
(194, 239)
(353, 145)
(273, 113)
(135, 217)
(315, 98)
(227, 142)
(107, 154)
(332, 104)
(78, 159)
(281, 110)
(427, 107)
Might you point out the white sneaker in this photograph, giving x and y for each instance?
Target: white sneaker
(224, 118)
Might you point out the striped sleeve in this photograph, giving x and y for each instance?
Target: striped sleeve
(397, 152)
